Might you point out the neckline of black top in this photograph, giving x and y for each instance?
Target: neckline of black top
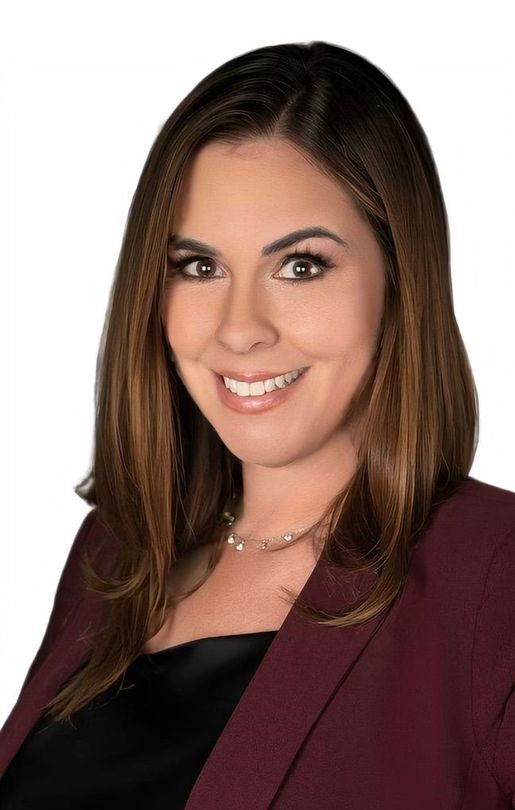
(166, 651)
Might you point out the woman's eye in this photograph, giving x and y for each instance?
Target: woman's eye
(303, 268)
(202, 267)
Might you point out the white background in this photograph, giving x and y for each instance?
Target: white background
(85, 87)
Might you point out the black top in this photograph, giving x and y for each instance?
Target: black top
(142, 742)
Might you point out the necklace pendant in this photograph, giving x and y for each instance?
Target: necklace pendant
(288, 537)
(231, 539)
(240, 546)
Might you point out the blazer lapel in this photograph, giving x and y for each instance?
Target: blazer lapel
(296, 677)
(299, 672)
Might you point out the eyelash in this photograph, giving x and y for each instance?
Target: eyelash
(319, 259)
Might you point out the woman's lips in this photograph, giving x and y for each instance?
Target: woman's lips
(256, 404)
(255, 376)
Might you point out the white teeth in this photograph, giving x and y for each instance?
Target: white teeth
(244, 389)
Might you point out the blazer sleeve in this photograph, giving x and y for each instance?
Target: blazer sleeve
(493, 668)
(68, 589)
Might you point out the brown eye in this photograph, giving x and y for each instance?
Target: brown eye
(301, 263)
(202, 267)
(301, 268)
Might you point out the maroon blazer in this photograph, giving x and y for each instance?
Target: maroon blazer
(414, 709)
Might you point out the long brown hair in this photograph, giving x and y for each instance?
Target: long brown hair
(161, 476)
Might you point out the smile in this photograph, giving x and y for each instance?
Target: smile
(256, 389)
(254, 398)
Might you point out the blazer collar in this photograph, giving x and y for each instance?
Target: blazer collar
(299, 672)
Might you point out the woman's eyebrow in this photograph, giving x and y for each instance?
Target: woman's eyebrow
(310, 232)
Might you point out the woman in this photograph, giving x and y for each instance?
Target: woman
(297, 595)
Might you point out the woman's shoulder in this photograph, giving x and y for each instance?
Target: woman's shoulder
(479, 491)
(465, 532)
(94, 542)
(93, 536)
(475, 512)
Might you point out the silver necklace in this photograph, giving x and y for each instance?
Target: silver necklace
(239, 542)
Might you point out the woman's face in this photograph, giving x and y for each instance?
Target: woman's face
(251, 316)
